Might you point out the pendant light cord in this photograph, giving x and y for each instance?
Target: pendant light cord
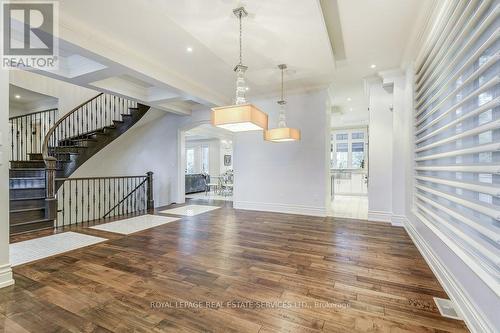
(282, 94)
(241, 38)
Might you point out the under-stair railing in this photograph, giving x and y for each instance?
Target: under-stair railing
(90, 200)
(27, 133)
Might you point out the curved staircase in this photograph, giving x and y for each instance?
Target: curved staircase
(68, 143)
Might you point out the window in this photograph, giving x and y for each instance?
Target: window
(457, 137)
(342, 155)
(348, 149)
(358, 154)
(190, 168)
(205, 166)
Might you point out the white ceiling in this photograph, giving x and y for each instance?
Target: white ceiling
(139, 48)
(28, 97)
(274, 32)
(374, 32)
(160, 31)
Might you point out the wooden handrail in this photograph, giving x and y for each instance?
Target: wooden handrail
(96, 178)
(45, 147)
(32, 113)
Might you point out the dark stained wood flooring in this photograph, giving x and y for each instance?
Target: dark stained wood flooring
(232, 271)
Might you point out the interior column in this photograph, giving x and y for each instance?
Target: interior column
(5, 270)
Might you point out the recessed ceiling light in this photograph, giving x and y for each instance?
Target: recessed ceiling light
(17, 96)
(373, 66)
(349, 99)
(351, 109)
(189, 49)
(247, 88)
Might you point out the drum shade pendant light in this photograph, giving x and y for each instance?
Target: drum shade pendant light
(242, 116)
(282, 133)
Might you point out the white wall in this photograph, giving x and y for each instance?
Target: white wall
(390, 146)
(380, 153)
(285, 177)
(5, 270)
(68, 95)
(17, 109)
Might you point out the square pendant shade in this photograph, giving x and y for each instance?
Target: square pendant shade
(239, 118)
(282, 134)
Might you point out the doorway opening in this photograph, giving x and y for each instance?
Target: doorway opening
(207, 163)
(349, 172)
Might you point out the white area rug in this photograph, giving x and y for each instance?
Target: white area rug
(189, 210)
(39, 248)
(134, 224)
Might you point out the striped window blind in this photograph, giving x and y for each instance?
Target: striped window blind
(457, 135)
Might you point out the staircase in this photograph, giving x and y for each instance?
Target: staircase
(66, 145)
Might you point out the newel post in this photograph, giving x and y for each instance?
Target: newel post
(149, 191)
(50, 181)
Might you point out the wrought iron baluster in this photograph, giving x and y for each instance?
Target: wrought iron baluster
(76, 201)
(63, 202)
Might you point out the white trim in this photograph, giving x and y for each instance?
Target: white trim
(6, 276)
(398, 220)
(281, 208)
(379, 216)
(474, 319)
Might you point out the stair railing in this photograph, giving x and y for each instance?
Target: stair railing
(95, 114)
(91, 199)
(27, 133)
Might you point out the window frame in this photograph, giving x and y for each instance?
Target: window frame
(349, 141)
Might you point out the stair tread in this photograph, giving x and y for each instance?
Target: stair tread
(87, 139)
(26, 199)
(20, 210)
(21, 178)
(68, 152)
(28, 169)
(31, 222)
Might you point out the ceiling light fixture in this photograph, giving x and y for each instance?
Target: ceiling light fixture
(17, 96)
(349, 99)
(241, 116)
(282, 133)
(189, 49)
(373, 66)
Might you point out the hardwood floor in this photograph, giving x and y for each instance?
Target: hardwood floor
(255, 271)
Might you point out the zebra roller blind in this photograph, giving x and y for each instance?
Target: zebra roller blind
(457, 135)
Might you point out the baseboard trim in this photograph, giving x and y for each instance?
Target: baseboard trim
(474, 319)
(379, 216)
(6, 276)
(398, 220)
(281, 208)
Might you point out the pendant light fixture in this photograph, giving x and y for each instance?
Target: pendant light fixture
(282, 133)
(242, 116)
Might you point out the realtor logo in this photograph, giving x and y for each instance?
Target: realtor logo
(29, 38)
